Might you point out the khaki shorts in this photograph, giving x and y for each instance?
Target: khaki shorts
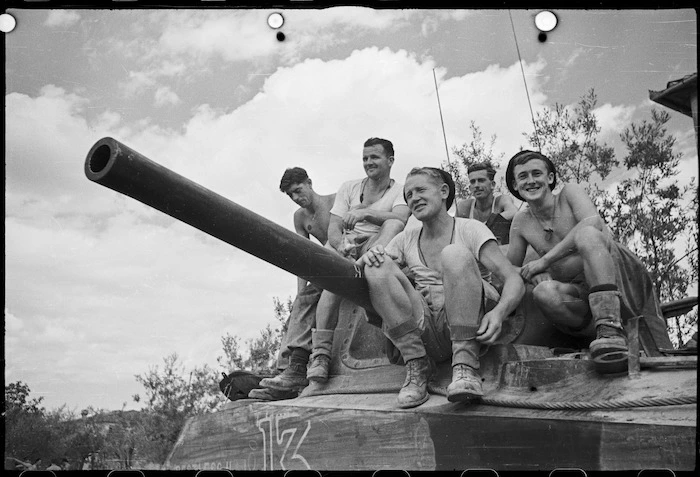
(433, 323)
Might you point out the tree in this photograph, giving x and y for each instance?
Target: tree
(232, 359)
(174, 391)
(27, 435)
(261, 353)
(648, 211)
(570, 139)
(172, 395)
(468, 154)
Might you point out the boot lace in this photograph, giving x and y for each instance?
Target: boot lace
(607, 331)
(414, 374)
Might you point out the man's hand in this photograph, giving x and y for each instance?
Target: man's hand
(533, 268)
(490, 328)
(353, 216)
(374, 257)
(541, 277)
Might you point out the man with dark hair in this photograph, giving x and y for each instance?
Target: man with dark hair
(496, 211)
(311, 219)
(451, 311)
(587, 284)
(366, 211)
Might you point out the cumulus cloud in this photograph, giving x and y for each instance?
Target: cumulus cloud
(115, 275)
(165, 96)
(62, 18)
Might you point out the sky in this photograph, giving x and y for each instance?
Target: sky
(99, 287)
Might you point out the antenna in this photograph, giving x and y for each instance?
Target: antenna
(520, 61)
(458, 183)
(447, 151)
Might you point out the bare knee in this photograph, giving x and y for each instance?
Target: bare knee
(377, 275)
(457, 261)
(546, 294)
(588, 237)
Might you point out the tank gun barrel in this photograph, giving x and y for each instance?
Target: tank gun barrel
(120, 168)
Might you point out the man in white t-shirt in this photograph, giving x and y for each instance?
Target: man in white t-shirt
(446, 315)
(366, 212)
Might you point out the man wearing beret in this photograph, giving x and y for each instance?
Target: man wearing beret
(587, 284)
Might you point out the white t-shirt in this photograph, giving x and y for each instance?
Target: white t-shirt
(348, 197)
(470, 233)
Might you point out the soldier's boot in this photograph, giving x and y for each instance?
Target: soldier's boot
(414, 391)
(465, 385)
(268, 394)
(322, 341)
(466, 381)
(293, 378)
(610, 334)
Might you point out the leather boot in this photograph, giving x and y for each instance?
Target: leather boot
(465, 385)
(322, 342)
(294, 377)
(415, 388)
(267, 394)
(466, 381)
(610, 335)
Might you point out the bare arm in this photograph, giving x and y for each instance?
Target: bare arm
(517, 247)
(335, 232)
(507, 207)
(585, 214)
(300, 230)
(373, 216)
(513, 288)
(463, 208)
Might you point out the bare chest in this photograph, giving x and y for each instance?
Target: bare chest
(316, 225)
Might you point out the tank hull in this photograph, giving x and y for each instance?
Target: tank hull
(368, 432)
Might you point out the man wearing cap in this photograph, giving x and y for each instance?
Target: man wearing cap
(587, 284)
(451, 311)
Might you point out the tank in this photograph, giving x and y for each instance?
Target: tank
(545, 406)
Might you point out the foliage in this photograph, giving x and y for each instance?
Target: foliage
(468, 154)
(27, 436)
(173, 394)
(173, 391)
(649, 214)
(261, 351)
(570, 139)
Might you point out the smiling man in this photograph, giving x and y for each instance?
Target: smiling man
(451, 311)
(366, 211)
(587, 284)
(484, 205)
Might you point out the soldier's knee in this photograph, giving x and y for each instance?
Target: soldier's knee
(588, 236)
(457, 260)
(381, 273)
(545, 293)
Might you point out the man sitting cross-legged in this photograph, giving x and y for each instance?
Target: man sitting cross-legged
(446, 309)
(585, 283)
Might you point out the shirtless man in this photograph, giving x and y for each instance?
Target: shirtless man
(311, 219)
(366, 211)
(484, 206)
(587, 284)
(447, 315)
